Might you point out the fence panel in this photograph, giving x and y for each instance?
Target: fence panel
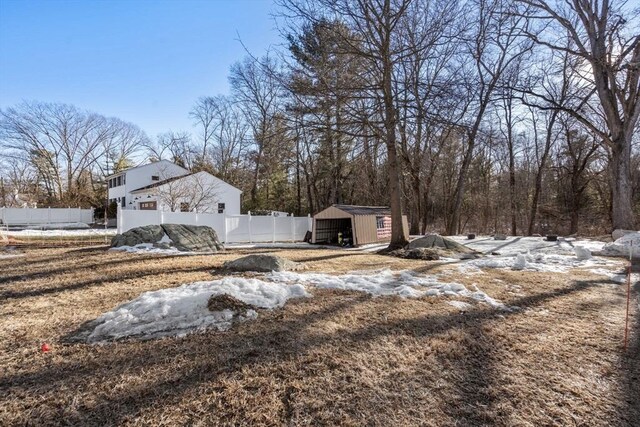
(230, 228)
(45, 216)
(238, 229)
(262, 228)
(301, 226)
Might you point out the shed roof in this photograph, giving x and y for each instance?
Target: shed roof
(364, 210)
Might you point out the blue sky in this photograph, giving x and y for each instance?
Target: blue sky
(144, 61)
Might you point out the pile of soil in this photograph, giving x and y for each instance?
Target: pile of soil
(426, 254)
(227, 302)
(438, 242)
(433, 246)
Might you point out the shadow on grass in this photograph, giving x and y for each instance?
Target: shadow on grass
(631, 364)
(83, 284)
(275, 339)
(45, 272)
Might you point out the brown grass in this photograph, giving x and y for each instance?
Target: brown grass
(339, 358)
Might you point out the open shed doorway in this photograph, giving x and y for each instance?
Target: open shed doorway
(334, 231)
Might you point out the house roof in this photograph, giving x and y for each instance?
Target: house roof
(175, 178)
(159, 183)
(143, 166)
(364, 210)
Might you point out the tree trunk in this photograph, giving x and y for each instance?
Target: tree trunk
(398, 239)
(512, 191)
(543, 161)
(454, 219)
(621, 190)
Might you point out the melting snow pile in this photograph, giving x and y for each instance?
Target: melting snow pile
(178, 311)
(50, 232)
(551, 263)
(629, 244)
(386, 282)
(536, 254)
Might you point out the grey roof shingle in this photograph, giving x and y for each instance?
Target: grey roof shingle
(159, 183)
(364, 210)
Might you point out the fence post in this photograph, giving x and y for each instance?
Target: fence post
(119, 219)
(225, 228)
(293, 228)
(249, 226)
(273, 223)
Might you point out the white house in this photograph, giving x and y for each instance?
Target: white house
(166, 186)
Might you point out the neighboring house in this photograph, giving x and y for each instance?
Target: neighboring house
(166, 186)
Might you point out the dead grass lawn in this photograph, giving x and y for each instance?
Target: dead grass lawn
(339, 358)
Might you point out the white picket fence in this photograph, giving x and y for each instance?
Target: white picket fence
(44, 216)
(230, 228)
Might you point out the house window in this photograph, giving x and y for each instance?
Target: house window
(221, 208)
(155, 178)
(123, 203)
(119, 181)
(184, 207)
(379, 222)
(148, 206)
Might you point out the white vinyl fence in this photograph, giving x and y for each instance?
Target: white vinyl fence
(42, 216)
(230, 228)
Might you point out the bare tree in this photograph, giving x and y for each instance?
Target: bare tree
(257, 89)
(194, 192)
(494, 43)
(64, 143)
(606, 36)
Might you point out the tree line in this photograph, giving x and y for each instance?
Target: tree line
(515, 116)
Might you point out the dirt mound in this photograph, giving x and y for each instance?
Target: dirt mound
(427, 254)
(227, 302)
(438, 242)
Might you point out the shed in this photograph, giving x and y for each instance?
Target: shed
(361, 224)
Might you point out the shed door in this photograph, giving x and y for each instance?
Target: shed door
(329, 231)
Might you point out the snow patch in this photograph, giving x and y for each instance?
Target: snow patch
(8, 256)
(148, 248)
(582, 253)
(182, 310)
(404, 283)
(165, 239)
(460, 305)
(540, 262)
(179, 311)
(625, 246)
(61, 233)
